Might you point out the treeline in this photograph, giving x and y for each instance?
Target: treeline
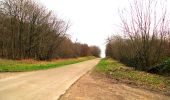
(68, 49)
(146, 39)
(29, 30)
(135, 54)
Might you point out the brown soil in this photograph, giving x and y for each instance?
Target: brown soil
(98, 87)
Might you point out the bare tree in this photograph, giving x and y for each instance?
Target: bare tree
(146, 24)
(29, 30)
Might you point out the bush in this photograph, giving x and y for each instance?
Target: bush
(162, 68)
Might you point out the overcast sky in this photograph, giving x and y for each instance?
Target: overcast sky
(92, 21)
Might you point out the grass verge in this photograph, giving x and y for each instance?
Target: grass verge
(125, 74)
(31, 65)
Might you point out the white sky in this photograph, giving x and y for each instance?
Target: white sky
(92, 21)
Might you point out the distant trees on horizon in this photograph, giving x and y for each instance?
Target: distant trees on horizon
(69, 49)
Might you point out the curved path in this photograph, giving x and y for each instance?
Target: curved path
(43, 85)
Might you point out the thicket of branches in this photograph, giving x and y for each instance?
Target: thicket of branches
(29, 30)
(146, 37)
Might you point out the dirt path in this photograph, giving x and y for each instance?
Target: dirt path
(43, 85)
(91, 87)
(9, 74)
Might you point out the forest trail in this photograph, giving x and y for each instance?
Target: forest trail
(45, 84)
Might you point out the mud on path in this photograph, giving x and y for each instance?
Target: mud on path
(91, 87)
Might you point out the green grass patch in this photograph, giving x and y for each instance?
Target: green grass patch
(31, 65)
(120, 71)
